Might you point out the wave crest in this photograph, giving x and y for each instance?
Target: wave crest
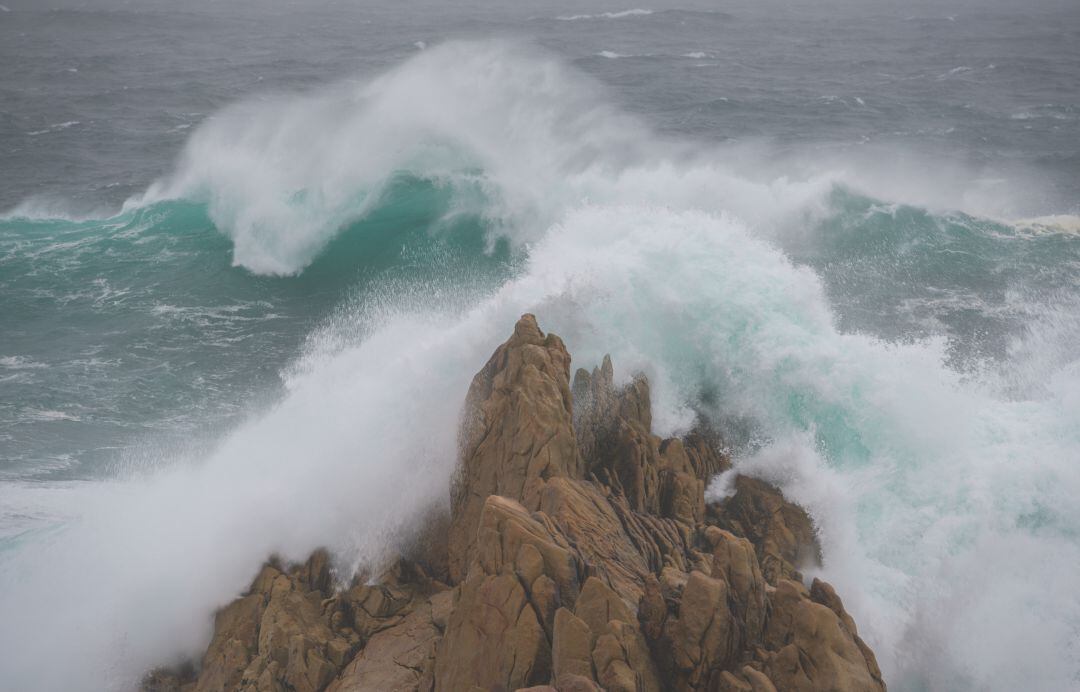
(496, 121)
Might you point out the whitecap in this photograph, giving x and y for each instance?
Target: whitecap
(55, 128)
(20, 363)
(48, 415)
(605, 15)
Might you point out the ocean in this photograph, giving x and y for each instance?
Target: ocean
(251, 254)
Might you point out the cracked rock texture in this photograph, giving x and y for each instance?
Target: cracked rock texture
(579, 555)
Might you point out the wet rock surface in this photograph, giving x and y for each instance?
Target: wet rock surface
(579, 555)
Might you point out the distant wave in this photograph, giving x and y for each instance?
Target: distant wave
(605, 15)
(55, 128)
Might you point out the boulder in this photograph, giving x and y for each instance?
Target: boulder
(401, 657)
(498, 635)
(279, 635)
(809, 647)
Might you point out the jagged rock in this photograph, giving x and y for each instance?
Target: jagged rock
(614, 427)
(780, 530)
(701, 636)
(235, 642)
(809, 647)
(822, 592)
(181, 679)
(517, 431)
(617, 444)
(576, 683)
(735, 563)
(748, 679)
(277, 636)
(620, 654)
(494, 639)
(578, 556)
(571, 648)
(606, 534)
(496, 636)
(511, 540)
(703, 447)
(369, 608)
(401, 657)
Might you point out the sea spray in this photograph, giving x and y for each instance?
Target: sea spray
(943, 495)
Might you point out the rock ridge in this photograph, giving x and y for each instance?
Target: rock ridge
(579, 555)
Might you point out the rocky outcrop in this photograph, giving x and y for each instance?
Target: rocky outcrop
(517, 432)
(781, 532)
(579, 555)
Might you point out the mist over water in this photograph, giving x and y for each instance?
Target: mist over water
(235, 326)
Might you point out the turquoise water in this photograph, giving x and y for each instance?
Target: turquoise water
(137, 332)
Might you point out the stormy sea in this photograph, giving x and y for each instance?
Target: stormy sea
(251, 254)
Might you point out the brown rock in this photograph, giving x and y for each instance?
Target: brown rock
(236, 640)
(576, 683)
(496, 636)
(571, 644)
(401, 657)
(703, 447)
(705, 635)
(506, 528)
(746, 680)
(278, 635)
(735, 563)
(617, 445)
(583, 514)
(810, 648)
(182, 679)
(517, 431)
(620, 653)
(781, 531)
(493, 639)
(614, 428)
(822, 592)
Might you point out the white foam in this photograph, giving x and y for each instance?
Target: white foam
(1054, 223)
(605, 15)
(20, 363)
(48, 415)
(56, 127)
